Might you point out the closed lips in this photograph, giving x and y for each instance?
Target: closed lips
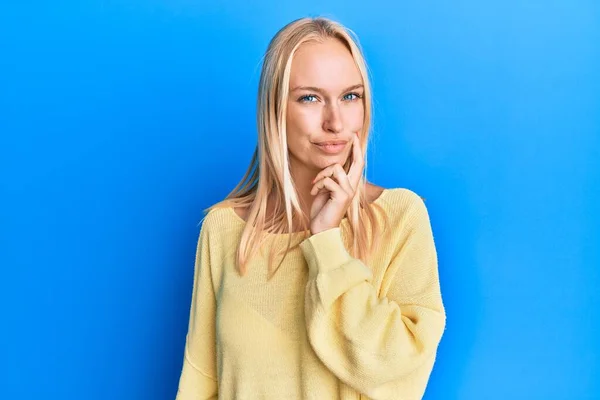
(331, 143)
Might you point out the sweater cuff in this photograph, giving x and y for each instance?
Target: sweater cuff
(325, 251)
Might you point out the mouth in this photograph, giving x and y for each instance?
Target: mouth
(331, 146)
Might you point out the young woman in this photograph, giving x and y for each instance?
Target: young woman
(311, 283)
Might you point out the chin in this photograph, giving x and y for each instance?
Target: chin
(326, 160)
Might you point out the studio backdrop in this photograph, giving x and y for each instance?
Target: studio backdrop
(121, 121)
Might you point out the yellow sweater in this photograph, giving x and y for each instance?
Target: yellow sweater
(326, 326)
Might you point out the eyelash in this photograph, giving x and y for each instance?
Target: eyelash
(358, 97)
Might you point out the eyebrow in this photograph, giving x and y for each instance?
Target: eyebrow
(319, 90)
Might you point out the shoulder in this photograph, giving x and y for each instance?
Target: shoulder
(403, 199)
(404, 205)
(218, 220)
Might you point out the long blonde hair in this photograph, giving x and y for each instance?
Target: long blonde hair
(269, 171)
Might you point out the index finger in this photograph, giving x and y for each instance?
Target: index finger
(358, 163)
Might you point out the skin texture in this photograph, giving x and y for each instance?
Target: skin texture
(333, 190)
(332, 109)
(335, 112)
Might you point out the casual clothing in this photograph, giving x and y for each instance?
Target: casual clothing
(326, 326)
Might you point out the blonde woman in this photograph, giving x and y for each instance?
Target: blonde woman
(310, 282)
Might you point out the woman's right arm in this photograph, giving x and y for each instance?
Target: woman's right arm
(198, 376)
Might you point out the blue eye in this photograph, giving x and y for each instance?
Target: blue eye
(357, 96)
(303, 98)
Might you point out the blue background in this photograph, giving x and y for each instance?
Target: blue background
(121, 121)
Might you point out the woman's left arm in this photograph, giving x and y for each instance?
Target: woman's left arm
(369, 342)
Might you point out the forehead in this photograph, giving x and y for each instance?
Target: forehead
(328, 65)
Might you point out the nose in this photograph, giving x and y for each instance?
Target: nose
(332, 120)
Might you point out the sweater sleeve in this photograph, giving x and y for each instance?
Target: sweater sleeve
(379, 345)
(198, 375)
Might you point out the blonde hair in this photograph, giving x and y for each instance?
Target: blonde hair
(269, 172)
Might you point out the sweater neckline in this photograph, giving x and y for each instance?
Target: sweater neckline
(241, 221)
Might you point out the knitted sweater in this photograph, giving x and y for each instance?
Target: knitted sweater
(325, 326)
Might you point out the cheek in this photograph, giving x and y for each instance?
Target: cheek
(302, 120)
(354, 117)
(296, 129)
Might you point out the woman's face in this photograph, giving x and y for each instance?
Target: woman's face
(325, 104)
